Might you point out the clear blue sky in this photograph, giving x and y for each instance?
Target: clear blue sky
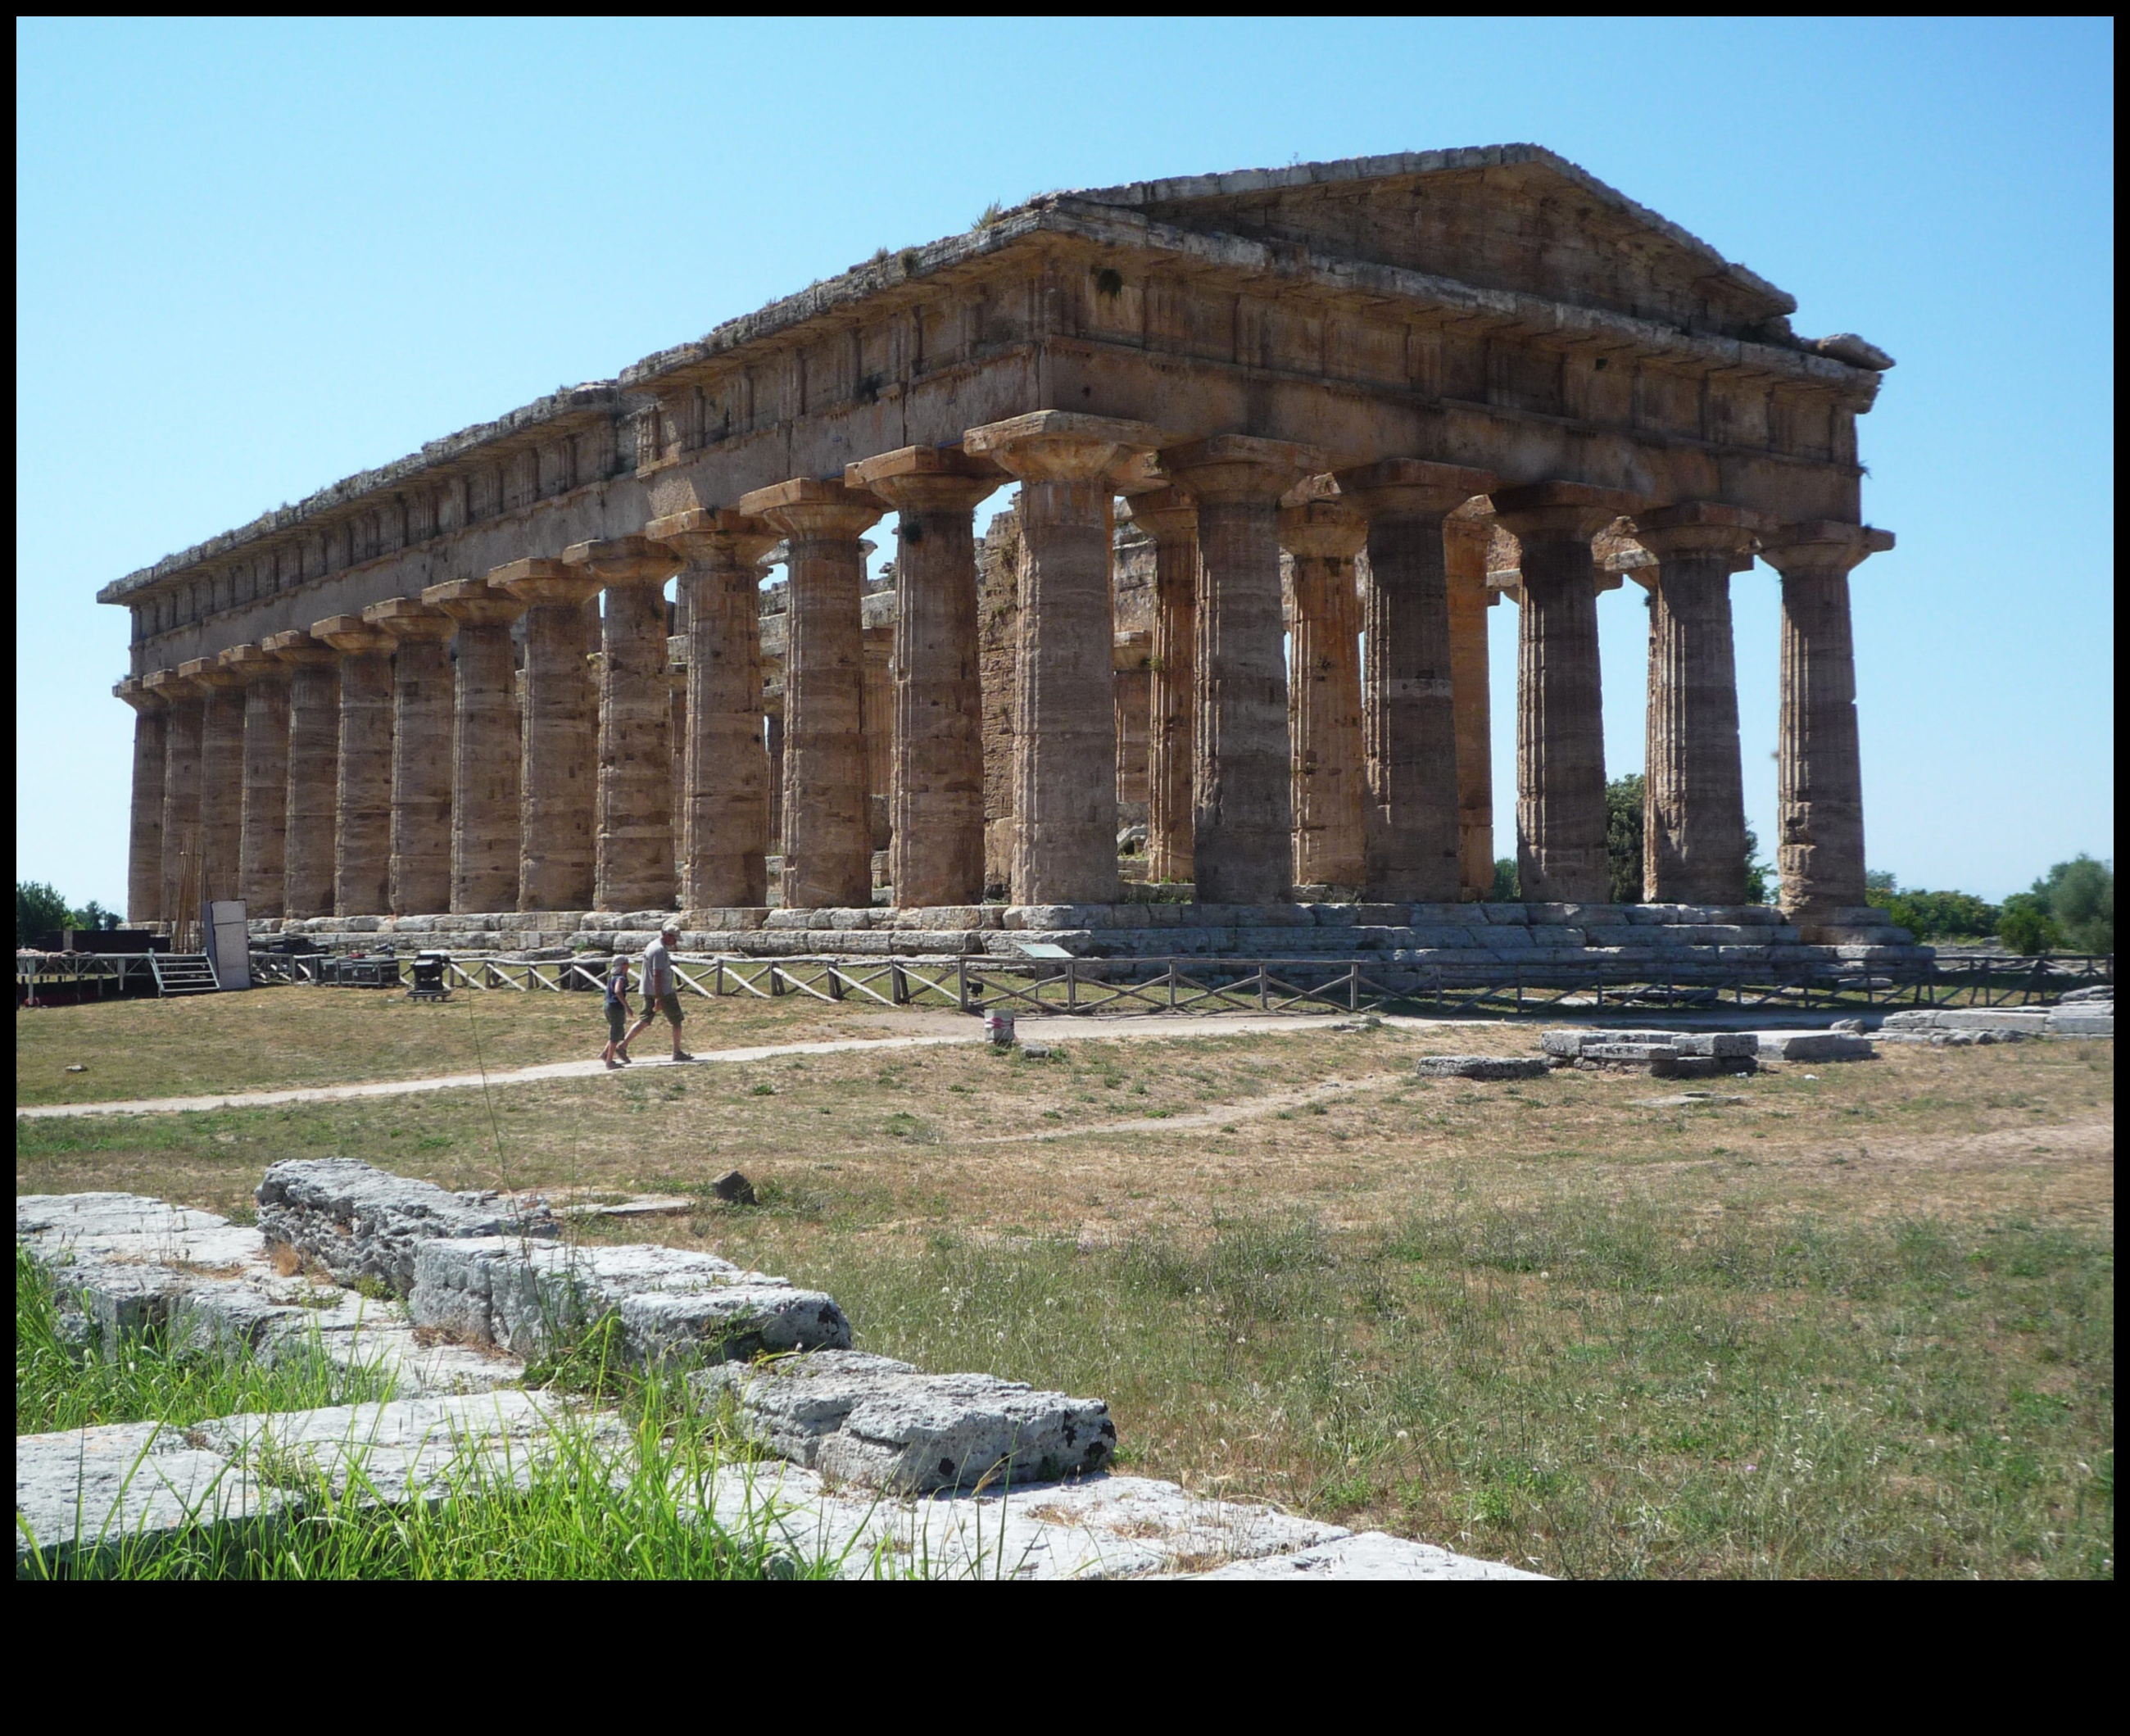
(252, 258)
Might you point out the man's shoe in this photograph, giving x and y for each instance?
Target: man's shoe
(683, 1056)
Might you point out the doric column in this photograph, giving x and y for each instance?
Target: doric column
(362, 790)
(185, 703)
(1821, 774)
(1330, 786)
(221, 781)
(485, 744)
(1065, 745)
(262, 837)
(1464, 540)
(306, 875)
(1560, 740)
(772, 739)
(633, 845)
(421, 876)
(1170, 517)
(936, 781)
(1410, 726)
(558, 768)
(144, 848)
(676, 735)
(828, 818)
(1694, 814)
(724, 794)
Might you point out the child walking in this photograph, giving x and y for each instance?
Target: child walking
(617, 1013)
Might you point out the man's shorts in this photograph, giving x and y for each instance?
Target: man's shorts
(670, 1004)
(616, 1022)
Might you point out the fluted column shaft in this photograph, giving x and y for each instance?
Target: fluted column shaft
(633, 847)
(310, 821)
(1560, 738)
(1324, 698)
(558, 768)
(1410, 730)
(725, 791)
(828, 808)
(1820, 774)
(485, 745)
(1171, 518)
(1693, 820)
(186, 705)
(362, 795)
(221, 781)
(936, 784)
(262, 837)
(1464, 551)
(1065, 733)
(421, 874)
(144, 844)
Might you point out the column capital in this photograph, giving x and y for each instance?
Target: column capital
(1822, 545)
(409, 618)
(251, 663)
(297, 648)
(1569, 511)
(535, 583)
(140, 695)
(1412, 485)
(474, 603)
(1166, 514)
(926, 478)
(814, 506)
(1698, 528)
(353, 636)
(169, 686)
(624, 560)
(1060, 445)
(1238, 467)
(1325, 530)
(205, 672)
(701, 533)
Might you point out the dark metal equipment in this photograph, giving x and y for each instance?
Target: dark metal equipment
(429, 978)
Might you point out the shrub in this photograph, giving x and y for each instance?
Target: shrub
(2026, 926)
(2080, 897)
(1506, 889)
(39, 910)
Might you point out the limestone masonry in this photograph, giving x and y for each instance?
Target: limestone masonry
(1345, 404)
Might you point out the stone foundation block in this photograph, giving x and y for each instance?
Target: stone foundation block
(1480, 1067)
(869, 1420)
(1814, 1046)
(673, 1306)
(360, 1223)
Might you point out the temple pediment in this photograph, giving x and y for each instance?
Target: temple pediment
(1506, 217)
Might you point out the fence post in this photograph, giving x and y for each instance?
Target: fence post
(962, 981)
(1261, 985)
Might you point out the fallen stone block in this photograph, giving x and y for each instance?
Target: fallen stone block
(2086, 996)
(2087, 1019)
(359, 1222)
(1368, 1555)
(872, 1420)
(673, 1305)
(1814, 1046)
(1481, 1066)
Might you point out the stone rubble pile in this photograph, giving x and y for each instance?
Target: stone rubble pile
(1666, 1054)
(358, 1222)
(1482, 1066)
(2093, 1014)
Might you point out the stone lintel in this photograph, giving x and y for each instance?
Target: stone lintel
(1571, 511)
(298, 647)
(1413, 485)
(353, 635)
(1234, 467)
(1058, 446)
(409, 618)
(624, 560)
(472, 603)
(1330, 530)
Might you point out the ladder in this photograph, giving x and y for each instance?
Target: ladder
(183, 973)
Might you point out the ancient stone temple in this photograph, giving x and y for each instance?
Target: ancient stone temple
(1276, 441)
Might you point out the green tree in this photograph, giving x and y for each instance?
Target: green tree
(1943, 916)
(1623, 836)
(1760, 875)
(39, 910)
(1505, 888)
(95, 917)
(2025, 927)
(2080, 897)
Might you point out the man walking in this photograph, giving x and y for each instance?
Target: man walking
(662, 991)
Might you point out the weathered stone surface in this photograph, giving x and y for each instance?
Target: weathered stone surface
(95, 1497)
(1171, 518)
(181, 793)
(358, 1222)
(558, 765)
(311, 823)
(1814, 1046)
(421, 870)
(1481, 1066)
(1368, 1555)
(1324, 708)
(1464, 542)
(144, 848)
(221, 781)
(362, 843)
(872, 1420)
(673, 1305)
(262, 837)
(485, 743)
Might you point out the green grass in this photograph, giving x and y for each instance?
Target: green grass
(60, 1383)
